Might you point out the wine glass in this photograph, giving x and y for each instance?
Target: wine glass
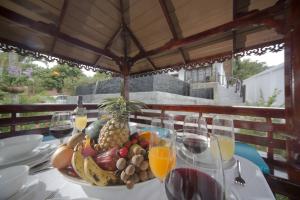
(61, 125)
(223, 129)
(193, 122)
(197, 179)
(194, 139)
(80, 119)
(162, 150)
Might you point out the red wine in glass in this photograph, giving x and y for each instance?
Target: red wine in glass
(192, 184)
(195, 145)
(61, 131)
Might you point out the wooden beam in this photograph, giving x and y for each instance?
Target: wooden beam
(125, 66)
(251, 19)
(51, 29)
(60, 20)
(109, 43)
(139, 46)
(163, 5)
(124, 34)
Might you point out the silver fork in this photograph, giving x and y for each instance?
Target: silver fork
(239, 179)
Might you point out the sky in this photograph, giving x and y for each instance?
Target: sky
(269, 58)
(51, 64)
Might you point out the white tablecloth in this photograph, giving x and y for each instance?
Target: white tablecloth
(256, 187)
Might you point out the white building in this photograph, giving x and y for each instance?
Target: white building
(265, 84)
(202, 74)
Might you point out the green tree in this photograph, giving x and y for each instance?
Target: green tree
(243, 69)
(58, 76)
(101, 76)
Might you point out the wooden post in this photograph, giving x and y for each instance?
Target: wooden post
(125, 69)
(295, 56)
(126, 86)
(292, 85)
(292, 67)
(13, 125)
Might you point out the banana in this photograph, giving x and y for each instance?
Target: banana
(75, 139)
(97, 175)
(78, 162)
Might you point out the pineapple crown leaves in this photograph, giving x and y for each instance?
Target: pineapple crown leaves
(120, 108)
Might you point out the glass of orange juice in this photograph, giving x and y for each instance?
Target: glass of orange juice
(162, 151)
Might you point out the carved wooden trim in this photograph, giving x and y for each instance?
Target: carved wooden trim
(261, 49)
(8, 46)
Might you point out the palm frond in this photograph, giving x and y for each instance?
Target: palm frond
(120, 108)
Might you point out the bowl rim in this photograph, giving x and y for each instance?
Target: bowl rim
(82, 182)
(18, 175)
(35, 136)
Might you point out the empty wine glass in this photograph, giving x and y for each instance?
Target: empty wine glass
(194, 122)
(194, 139)
(223, 129)
(194, 180)
(61, 125)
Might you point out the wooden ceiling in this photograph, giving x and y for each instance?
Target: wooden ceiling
(140, 35)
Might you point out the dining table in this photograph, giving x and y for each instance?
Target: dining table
(256, 187)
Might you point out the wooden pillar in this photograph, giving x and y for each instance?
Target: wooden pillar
(125, 74)
(292, 87)
(295, 56)
(126, 87)
(292, 67)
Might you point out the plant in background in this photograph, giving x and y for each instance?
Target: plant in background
(14, 79)
(269, 103)
(243, 69)
(58, 76)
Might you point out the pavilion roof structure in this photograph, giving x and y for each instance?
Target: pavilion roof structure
(140, 37)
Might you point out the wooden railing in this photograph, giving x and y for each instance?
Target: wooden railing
(255, 126)
(262, 127)
(245, 119)
(15, 117)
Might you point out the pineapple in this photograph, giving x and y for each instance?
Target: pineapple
(116, 131)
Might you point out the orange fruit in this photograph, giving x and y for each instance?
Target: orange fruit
(146, 135)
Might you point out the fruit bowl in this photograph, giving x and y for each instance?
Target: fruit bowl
(110, 161)
(116, 192)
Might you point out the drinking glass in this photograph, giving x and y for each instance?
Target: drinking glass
(81, 119)
(61, 125)
(162, 149)
(223, 129)
(194, 122)
(195, 179)
(194, 138)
